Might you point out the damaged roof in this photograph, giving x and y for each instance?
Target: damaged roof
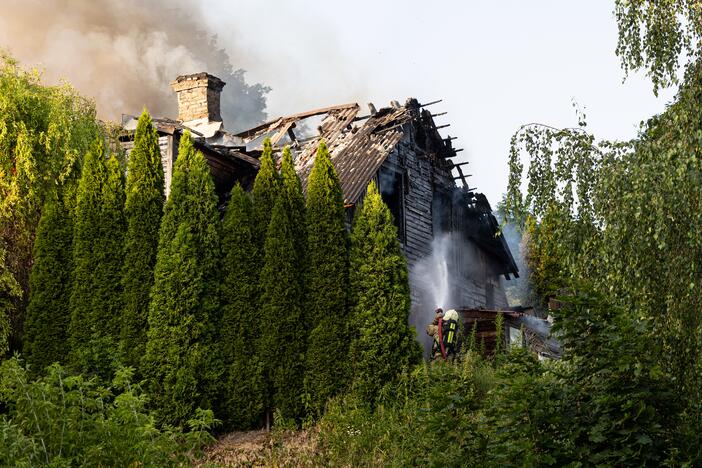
(358, 145)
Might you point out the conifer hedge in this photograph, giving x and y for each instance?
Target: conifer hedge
(382, 344)
(327, 368)
(143, 210)
(284, 334)
(46, 324)
(95, 301)
(241, 320)
(265, 193)
(181, 361)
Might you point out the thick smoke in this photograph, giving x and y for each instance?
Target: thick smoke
(125, 53)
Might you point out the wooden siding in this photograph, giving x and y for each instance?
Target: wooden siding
(473, 281)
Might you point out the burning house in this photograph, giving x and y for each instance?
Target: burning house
(400, 147)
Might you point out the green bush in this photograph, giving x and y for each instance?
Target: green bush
(431, 417)
(241, 322)
(327, 369)
(62, 420)
(47, 318)
(382, 342)
(181, 361)
(143, 210)
(284, 333)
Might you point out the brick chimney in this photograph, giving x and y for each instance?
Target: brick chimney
(198, 97)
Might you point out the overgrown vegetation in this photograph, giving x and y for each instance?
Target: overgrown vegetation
(67, 420)
(607, 402)
(44, 133)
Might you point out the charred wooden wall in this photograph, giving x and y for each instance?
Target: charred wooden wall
(475, 282)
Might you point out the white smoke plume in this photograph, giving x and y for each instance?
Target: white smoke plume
(434, 280)
(124, 53)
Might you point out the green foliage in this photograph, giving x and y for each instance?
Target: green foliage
(607, 403)
(9, 290)
(95, 303)
(624, 218)
(327, 369)
(45, 330)
(544, 256)
(181, 361)
(291, 193)
(382, 343)
(430, 417)
(44, 133)
(143, 211)
(284, 334)
(655, 35)
(64, 420)
(625, 409)
(241, 321)
(265, 192)
(499, 334)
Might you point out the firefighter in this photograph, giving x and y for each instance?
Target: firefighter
(450, 335)
(433, 330)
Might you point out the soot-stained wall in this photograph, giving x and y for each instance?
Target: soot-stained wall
(426, 205)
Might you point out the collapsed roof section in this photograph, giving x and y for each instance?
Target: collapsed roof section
(358, 145)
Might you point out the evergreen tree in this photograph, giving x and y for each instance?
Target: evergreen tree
(181, 361)
(46, 324)
(291, 192)
(284, 335)
(383, 344)
(327, 356)
(265, 192)
(143, 210)
(241, 323)
(97, 261)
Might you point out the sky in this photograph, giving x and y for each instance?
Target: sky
(496, 65)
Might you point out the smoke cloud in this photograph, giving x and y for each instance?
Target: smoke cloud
(124, 54)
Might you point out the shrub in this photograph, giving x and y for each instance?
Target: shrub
(143, 210)
(181, 360)
(241, 321)
(64, 420)
(49, 288)
(382, 342)
(327, 368)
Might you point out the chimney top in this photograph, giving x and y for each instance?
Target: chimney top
(198, 97)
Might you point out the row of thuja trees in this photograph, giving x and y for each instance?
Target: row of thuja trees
(270, 311)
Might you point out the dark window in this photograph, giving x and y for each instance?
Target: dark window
(393, 192)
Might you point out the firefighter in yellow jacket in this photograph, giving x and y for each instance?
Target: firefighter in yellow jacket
(445, 331)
